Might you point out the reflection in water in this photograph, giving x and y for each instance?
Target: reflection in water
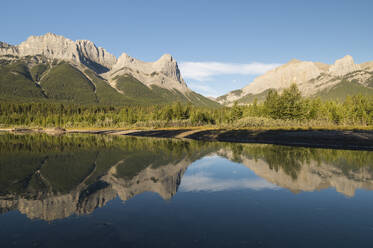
(53, 177)
(221, 178)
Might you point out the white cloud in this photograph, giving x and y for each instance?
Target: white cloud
(203, 71)
(205, 89)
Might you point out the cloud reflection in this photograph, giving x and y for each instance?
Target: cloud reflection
(203, 182)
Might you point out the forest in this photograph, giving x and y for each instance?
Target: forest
(288, 109)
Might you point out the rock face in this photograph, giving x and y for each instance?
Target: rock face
(58, 47)
(311, 77)
(368, 66)
(343, 66)
(164, 72)
(293, 72)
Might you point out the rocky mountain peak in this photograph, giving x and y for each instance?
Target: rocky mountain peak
(125, 60)
(168, 66)
(58, 47)
(164, 72)
(343, 66)
(87, 49)
(295, 71)
(166, 57)
(51, 46)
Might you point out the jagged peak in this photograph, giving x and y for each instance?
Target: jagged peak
(90, 43)
(166, 57)
(48, 35)
(163, 72)
(85, 42)
(343, 66)
(125, 57)
(347, 58)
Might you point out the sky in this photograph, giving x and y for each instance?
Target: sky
(219, 45)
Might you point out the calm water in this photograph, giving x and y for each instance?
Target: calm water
(106, 191)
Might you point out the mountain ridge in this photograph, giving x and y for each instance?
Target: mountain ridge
(150, 82)
(312, 78)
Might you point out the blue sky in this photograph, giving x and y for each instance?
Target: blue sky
(220, 45)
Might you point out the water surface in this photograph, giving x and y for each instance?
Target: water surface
(109, 191)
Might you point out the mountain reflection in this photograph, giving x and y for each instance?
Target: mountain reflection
(53, 177)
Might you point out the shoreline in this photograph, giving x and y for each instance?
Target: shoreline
(334, 139)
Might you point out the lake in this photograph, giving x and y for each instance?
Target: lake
(110, 191)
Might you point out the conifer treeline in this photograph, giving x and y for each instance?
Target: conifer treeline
(289, 106)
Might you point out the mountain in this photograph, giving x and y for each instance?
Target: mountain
(335, 81)
(53, 68)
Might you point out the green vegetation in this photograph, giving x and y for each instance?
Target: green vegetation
(37, 71)
(133, 88)
(139, 93)
(250, 98)
(291, 159)
(106, 94)
(291, 106)
(344, 89)
(64, 82)
(288, 109)
(16, 82)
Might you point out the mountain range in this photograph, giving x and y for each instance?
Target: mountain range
(314, 79)
(53, 68)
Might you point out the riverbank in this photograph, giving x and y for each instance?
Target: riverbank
(336, 139)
